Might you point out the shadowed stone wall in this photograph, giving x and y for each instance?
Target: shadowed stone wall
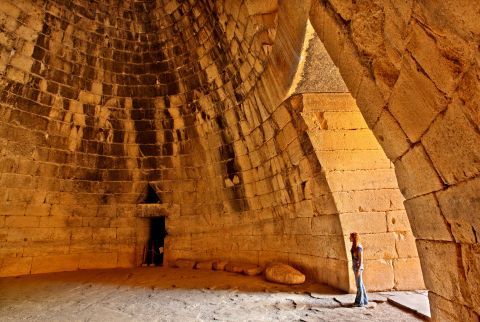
(98, 99)
(101, 99)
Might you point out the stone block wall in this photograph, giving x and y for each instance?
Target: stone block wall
(413, 68)
(100, 99)
(287, 214)
(364, 187)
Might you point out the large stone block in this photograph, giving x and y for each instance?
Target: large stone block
(380, 246)
(320, 246)
(452, 142)
(336, 120)
(397, 220)
(416, 174)
(391, 137)
(359, 139)
(13, 266)
(370, 101)
(363, 222)
(445, 310)
(426, 219)
(443, 275)
(329, 102)
(368, 200)
(97, 260)
(432, 50)
(353, 159)
(126, 259)
(408, 274)
(450, 16)
(378, 275)
(362, 179)
(415, 101)
(471, 264)
(459, 203)
(326, 225)
(55, 263)
(405, 245)
(22, 221)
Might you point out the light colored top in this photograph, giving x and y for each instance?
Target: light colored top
(357, 260)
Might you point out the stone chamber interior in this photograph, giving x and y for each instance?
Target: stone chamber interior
(256, 130)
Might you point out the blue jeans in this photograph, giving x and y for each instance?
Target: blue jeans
(361, 298)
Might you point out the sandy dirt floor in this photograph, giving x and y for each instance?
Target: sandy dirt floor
(169, 294)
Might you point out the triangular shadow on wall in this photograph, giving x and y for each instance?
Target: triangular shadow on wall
(151, 196)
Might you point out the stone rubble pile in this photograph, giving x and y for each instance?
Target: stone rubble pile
(274, 272)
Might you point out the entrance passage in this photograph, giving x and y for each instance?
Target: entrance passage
(153, 251)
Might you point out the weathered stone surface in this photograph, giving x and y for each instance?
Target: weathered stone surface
(178, 294)
(252, 270)
(283, 274)
(205, 265)
(471, 263)
(445, 310)
(422, 178)
(234, 267)
(458, 203)
(185, 263)
(450, 285)
(397, 220)
(378, 246)
(378, 275)
(391, 136)
(415, 302)
(55, 263)
(364, 222)
(426, 218)
(415, 100)
(452, 144)
(408, 275)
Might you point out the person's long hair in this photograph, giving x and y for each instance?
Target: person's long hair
(355, 243)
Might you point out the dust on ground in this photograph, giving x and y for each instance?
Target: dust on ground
(169, 294)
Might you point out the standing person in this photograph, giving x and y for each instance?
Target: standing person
(357, 264)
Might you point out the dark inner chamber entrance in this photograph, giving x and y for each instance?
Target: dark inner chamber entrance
(153, 251)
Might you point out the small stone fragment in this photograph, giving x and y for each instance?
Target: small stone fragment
(219, 265)
(252, 270)
(233, 267)
(185, 263)
(205, 265)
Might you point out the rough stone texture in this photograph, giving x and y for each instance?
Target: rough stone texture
(185, 263)
(219, 265)
(415, 301)
(208, 265)
(417, 54)
(283, 274)
(365, 191)
(177, 295)
(99, 99)
(234, 267)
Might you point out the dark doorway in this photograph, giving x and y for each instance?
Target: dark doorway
(153, 252)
